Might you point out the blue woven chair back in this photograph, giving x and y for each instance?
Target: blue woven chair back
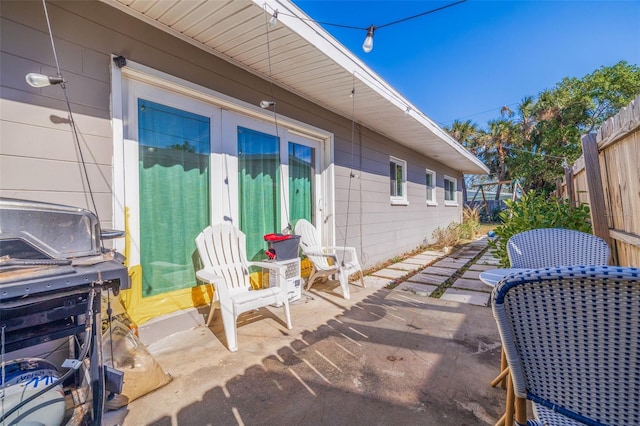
(547, 247)
(572, 340)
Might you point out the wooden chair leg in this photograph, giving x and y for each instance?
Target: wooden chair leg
(500, 378)
(521, 410)
(510, 410)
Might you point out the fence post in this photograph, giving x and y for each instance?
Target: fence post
(594, 185)
(568, 178)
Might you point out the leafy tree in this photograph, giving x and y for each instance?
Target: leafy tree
(549, 128)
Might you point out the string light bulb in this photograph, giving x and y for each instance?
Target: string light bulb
(367, 46)
(274, 19)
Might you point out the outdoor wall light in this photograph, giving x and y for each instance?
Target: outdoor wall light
(367, 46)
(274, 19)
(266, 104)
(41, 80)
(120, 61)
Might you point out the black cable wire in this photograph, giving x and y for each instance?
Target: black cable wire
(419, 14)
(275, 121)
(351, 175)
(351, 27)
(74, 129)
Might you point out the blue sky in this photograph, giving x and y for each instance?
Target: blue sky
(469, 60)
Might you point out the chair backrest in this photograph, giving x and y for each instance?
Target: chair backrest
(572, 339)
(310, 242)
(547, 247)
(222, 250)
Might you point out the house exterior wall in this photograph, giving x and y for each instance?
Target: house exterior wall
(39, 160)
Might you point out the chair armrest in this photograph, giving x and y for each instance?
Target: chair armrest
(221, 292)
(349, 251)
(319, 253)
(267, 265)
(209, 277)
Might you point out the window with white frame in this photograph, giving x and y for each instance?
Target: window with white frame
(450, 185)
(430, 184)
(398, 181)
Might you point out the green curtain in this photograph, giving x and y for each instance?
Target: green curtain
(259, 188)
(174, 149)
(301, 174)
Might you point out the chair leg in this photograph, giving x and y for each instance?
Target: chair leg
(212, 310)
(214, 302)
(230, 327)
(361, 278)
(287, 313)
(311, 278)
(344, 283)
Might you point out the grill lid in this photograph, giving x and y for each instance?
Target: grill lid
(36, 230)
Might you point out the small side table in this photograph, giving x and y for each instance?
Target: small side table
(491, 278)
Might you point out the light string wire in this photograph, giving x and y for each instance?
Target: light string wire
(351, 175)
(352, 27)
(275, 119)
(74, 129)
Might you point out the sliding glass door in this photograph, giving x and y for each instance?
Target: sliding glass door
(302, 171)
(173, 156)
(259, 188)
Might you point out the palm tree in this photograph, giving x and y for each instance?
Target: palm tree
(467, 134)
(499, 139)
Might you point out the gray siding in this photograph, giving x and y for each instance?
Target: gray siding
(39, 160)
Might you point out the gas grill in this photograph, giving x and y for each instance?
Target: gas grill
(53, 269)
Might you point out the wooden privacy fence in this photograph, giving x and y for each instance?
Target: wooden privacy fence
(607, 178)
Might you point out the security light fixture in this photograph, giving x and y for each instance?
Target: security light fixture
(41, 80)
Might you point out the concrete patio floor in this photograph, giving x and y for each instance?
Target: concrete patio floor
(384, 357)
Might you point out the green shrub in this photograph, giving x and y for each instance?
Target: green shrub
(533, 211)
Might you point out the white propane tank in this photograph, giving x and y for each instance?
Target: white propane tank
(23, 378)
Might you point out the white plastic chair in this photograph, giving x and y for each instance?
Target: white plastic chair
(572, 342)
(546, 247)
(344, 260)
(222, 250)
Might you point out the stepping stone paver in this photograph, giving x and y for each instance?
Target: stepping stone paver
(478, 267)
(416, 261)
(466, 296)
(428, 279)
(450, 263)
(389, 273)
(471, 274)
(376, 282)
(405, 266)
(476, 285)
(418, 289)
(433, 253)
(439, 271)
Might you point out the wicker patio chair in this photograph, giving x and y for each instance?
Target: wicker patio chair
(547, 247)
(572, 342)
